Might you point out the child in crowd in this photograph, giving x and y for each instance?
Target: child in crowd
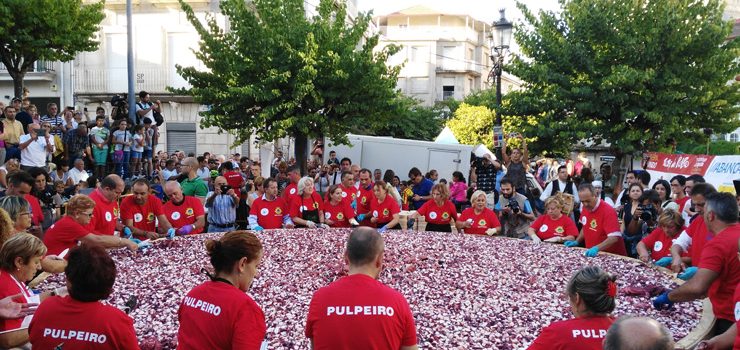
(122, 141)
(150, 134)
(137, 148)
(100, 138)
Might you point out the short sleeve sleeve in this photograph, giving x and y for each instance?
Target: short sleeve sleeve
(711, 258)
(611, 224)
(570, 227)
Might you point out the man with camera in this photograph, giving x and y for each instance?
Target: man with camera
(145, 108)
(514, 210)
(644, 220)
(222, 205)
(35, 147)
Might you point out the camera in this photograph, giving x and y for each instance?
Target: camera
(225, 188)
(648, 212)
(514, 206)
(41, 132)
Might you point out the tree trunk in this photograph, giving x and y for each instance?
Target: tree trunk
(301, 152)
(17, 82)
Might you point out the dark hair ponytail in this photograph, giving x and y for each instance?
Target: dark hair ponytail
(596, 288)
(231, 248)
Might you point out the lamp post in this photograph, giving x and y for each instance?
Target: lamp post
(499, 41)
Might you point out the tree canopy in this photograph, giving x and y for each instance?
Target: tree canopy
(633, 73)
(52, 30)
(277, 72)
(411, 121)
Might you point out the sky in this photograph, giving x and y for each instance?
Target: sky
(484, 10)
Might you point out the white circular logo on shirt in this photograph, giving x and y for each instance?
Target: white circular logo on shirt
(583, 220)
(327, 215)
(375, 213)
(658, 246)
(264, 212)
(433, 215)
(737, 311)
(344, 194)
(138, 217)
(543, 228)
(304, 208)
(292, 191)
(108, 216)
(176, 215)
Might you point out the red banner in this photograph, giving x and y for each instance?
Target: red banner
(684, 164)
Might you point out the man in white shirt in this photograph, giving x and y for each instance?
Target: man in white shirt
(35, 148)
(561, 184)
(78, 173)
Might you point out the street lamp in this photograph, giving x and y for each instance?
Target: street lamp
(499, 41)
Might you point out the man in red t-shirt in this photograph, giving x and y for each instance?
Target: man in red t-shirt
(695, 237)
(185, 213)
(719, 270)
(358, 309)
(106, 211)
(600, 231)
(142, 212)
(269, 211)
(294, 174)
(365, 197)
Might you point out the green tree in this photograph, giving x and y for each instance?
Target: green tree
(473, 125)
(633, 73)
(412, 121)
(52, 30)
(275, 72)
(718, 148)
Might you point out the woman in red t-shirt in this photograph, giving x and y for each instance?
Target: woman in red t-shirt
(338, 212)
(592, 296)
(307, 207)
(656, 247)
(90, 274)
(384, 208)
(478, 219)
(218, 314)
(440, 212)
(554, 227)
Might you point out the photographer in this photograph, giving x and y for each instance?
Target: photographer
(644, 220)
(514, 210)
(222, 205)
(36, 146)
(145, 108)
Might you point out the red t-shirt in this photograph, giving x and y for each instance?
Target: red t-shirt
(290, 191)
(384, 211)
(437, 215)
(658, 243)
(682, 203)
(736, 299)
(185, 213)
(365, 197)
(105, 214)
(699, 238)
(269, 213)
(600, 224)
(585, 333)
(299, 204)
(81, 325)
(358, 312)
(9, 286)
(217, 315)
(481, 222)
(349, 194)
(234, 179)
(144, 216)
(64, 234)
(546, 228)
(720, 256)
(37, 216)
(339, 214)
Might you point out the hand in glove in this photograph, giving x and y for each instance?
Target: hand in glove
(688, 273)
(171, 233)
(257, 228)
(594, 251)
(662, 302)
(492, 231)
(185, 230)
(571, 244)
(310, 224)
(127, 232)
(360, 217)
(383, 229)
(664, 262)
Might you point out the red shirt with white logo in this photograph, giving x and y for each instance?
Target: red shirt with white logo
(81, 325)
(299, 204)
(217, 315)
(700, 235)
(658, 243)
(358, 312)
(144, 216)
(234, 179)
(64, 234)
(349, 194)
(583, 333)
(480, 222)
(720, 256)
(185, 213)
(736, 299)
(682, 203)
(269, 213)
(288, 193)
(600, 224)
(438, 215)
(385, 210)
(105, 215)
(545, 227)
(339, 214)
(365, 197)
(10, 286)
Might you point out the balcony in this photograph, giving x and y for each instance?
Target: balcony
(460, 66)
(39, 71)
(97, 80)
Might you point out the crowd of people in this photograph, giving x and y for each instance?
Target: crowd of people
(70, 193)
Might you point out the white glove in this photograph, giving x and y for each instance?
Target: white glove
(536, 239)
(492, 231)
(310, 224)
(353, 222)
(323, 225)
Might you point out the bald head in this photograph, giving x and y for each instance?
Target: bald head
(638, 333)
(363, 246)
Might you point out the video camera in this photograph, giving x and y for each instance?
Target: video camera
(120, 107)
(649, 213)
(514, 206)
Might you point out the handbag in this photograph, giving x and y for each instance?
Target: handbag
(118, 156)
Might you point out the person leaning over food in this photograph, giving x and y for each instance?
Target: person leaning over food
(592, 294)
(142, 212)
(384, 209)
(478, 219)
(186, 213)
(269, 211)
(719, 270)
(554, 227)
(306, 206)
(357, 311)
(600, 231)
(337, 211)
(439, 212)
(694, 238)
(80, 320)
(218, 314)
(656, 247)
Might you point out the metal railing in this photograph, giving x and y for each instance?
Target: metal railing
(39, 66)
(94, 80)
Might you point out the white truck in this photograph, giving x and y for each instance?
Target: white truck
(399, 155)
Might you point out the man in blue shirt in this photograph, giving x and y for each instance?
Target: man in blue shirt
(422, 187)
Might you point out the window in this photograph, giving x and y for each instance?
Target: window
(733, 137)
(470, 85)
(448, 91)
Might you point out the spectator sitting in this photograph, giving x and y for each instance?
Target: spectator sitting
(170, 172)
(78, 173)
(60, 173)
(11, 165)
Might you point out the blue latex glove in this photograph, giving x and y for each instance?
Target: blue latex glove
(171, 233)
(185, 230)
(594, 251)
(662, 302)
(354, 205)
(258, 228)
(383, 229)
(570, 244)
(144, 245)
(127, 232)
(360, 217)
(137, 241)
(688, 273)
(664, 261)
